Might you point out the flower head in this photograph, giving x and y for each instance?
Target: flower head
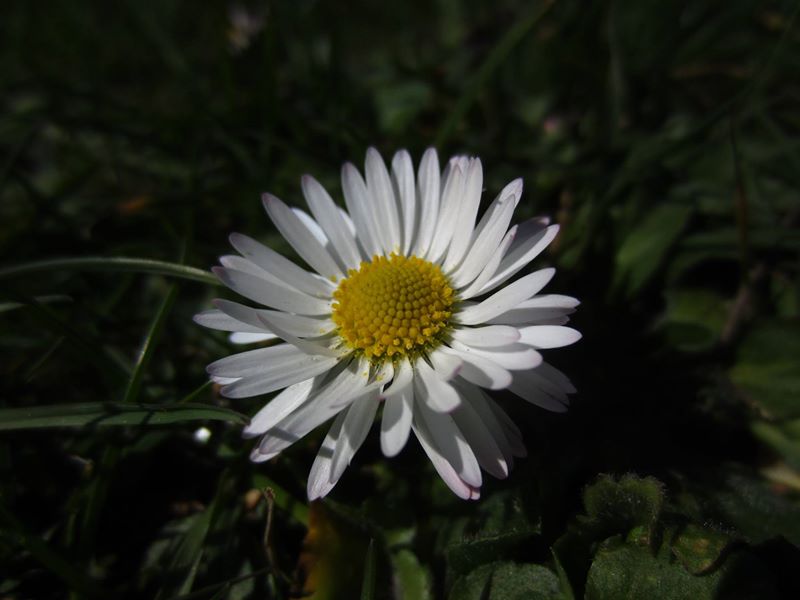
(406, 307)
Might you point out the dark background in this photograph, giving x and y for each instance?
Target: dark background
(661, 135)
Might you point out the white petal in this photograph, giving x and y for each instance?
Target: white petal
(272, 295)
(280, 267)
(534, 379)
(379, 187)
(298, 325)
(488, 237)
(465, 217)
(478, 401)
(305, 367)
(530, 240)
(428, 192)
(238, 263)
(507, 298)
(224, 380)
(357, 423)
(487, 337)
(403, 180)
(302, 238)
(360, 209)
(445, 364)
(311, 348)
(396, 421)
(532, 312)
(482, 371)
(450, 441)
(278, 408)
(321, 406)
(513, 434)
(242, 337)
(489, 270)
(331, 221)
(513, 357)
(525, 386)
(480, 439)
(452, 193)
(548, 336)
(444, 468)
(319, 478)
(216, 319)
(430, 388)
(403, 377)
(254, 362)
(557, 377)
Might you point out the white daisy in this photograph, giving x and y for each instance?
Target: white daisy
(407, 307)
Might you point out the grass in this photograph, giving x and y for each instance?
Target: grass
(662, 136)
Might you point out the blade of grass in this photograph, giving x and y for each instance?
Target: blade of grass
(495, 58)
(112, 454)
(110, 263)
(370, 572)
(183, 567)
(148, 346)
(95, 414)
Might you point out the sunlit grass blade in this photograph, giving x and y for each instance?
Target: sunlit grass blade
(110, 263)
(95, 414)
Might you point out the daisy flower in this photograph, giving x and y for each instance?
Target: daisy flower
(406, 308)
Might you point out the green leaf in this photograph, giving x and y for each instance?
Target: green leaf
(185, 558)
(694, 319)
(768, 368)
(736, 497)
(115, 264)
(783, 438)
(699, 549)
(93, 414)
(617, 507)
(630, 571)
(645, 249)
(499, 529)
(413, 580)
(507, 581)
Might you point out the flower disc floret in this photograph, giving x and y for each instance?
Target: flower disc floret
(393, 306)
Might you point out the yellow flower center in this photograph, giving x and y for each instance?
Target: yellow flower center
(393, 307)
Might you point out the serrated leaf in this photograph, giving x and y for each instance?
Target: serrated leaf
(497, 530)
(617, 507)
(698, 548)
(630, 571)
(507, 581)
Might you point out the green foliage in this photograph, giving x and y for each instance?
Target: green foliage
(507, 580)
(661, 135)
